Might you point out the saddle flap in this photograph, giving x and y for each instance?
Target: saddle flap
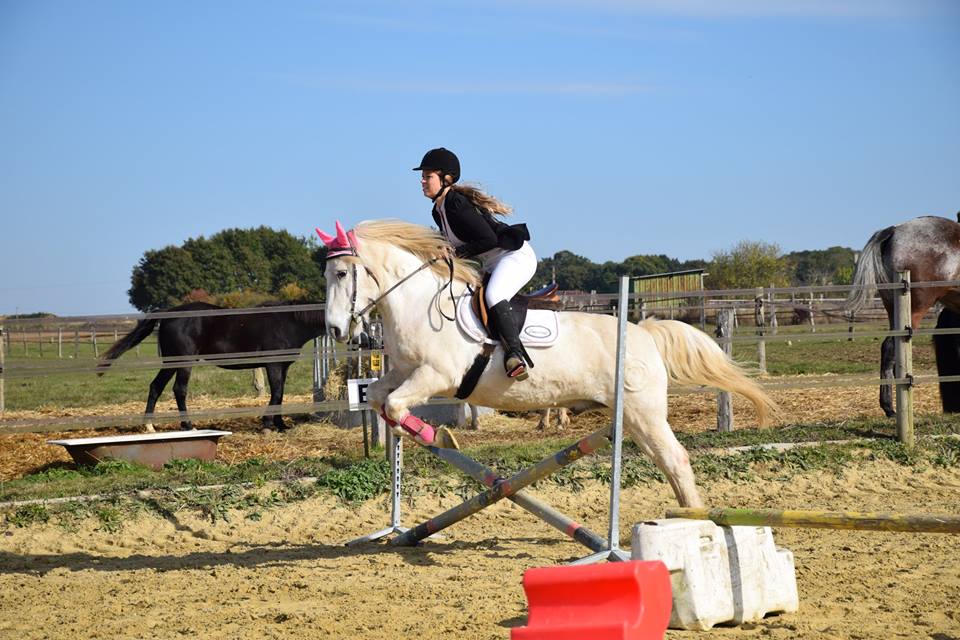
(540, 327)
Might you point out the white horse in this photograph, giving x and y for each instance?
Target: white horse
(393, 265)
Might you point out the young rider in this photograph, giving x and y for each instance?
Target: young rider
(465, 216)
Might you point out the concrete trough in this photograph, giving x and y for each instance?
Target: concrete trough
(151, 449)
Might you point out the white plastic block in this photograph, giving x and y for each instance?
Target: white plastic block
(719, 575)
(763, 577)
(695, 553)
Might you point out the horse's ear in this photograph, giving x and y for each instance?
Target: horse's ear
(342, 236)
(327, 239)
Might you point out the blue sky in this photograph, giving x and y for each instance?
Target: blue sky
(614, 128)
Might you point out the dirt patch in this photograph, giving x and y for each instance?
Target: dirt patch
(289, 575)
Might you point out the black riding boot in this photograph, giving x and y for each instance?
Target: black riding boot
(513, 351)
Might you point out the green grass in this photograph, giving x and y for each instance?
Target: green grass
(242, 488)
(804, 354)
(86, 389)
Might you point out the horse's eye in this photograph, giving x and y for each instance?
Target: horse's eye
(341, 275)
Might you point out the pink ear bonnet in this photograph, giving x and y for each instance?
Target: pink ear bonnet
(343, 244)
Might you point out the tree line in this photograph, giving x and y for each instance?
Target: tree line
(244, 267)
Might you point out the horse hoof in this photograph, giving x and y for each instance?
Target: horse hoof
(445, 439)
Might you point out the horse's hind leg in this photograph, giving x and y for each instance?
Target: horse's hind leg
(887, 358)
(180, 393)
(156, 388)
(648, 427)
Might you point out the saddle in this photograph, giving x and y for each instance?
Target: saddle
(539, 328)
(545, 298)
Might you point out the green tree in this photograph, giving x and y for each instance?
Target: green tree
(573, 272)
(162, 278)
(822, 266)
(749, 264)
(234, 264)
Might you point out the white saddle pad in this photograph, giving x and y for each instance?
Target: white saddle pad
(540, 329)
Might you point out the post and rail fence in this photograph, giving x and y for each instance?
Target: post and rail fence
(728, 308)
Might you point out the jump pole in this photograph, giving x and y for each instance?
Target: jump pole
(545, 512)
(505, 489)
(849, 520)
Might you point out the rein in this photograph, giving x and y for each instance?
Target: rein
(357, 316)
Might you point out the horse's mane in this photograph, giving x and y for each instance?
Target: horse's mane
(423, 242)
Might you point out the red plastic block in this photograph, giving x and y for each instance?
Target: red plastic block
(610, 601)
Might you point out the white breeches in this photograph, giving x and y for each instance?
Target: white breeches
(509, 272)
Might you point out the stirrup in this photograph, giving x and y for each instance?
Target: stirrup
(519, 371)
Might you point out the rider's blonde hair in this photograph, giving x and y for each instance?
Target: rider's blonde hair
(483, 200)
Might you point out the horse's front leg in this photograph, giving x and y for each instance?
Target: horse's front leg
(418, 387)
(378, 391)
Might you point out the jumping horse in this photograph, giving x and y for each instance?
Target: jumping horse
(216, 335)
(929, 247)
(411, 275)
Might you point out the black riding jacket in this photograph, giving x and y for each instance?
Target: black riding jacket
(479, 231)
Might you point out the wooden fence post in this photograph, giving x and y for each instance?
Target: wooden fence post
(93, 339)
(258, 384)
(773, 312)
(760, 322)
(59, 342)
(724, 401)
(76, 344)
(3, 351)
(903, 365)
(40, 339)
(813, 325)
(317, 371)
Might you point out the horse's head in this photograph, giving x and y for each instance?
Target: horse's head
(393, 252)
(351, 289)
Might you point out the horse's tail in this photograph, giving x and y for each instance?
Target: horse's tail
(143, 329)
(869, 271)
(692, 357)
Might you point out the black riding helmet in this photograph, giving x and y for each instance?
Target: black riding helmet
(441, 160)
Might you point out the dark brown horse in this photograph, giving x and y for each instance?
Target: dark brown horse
(947, 350)
(929, 247)
(222, 334)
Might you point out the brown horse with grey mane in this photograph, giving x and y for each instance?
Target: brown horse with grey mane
(928, 247)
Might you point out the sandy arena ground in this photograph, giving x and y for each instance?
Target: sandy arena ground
(290, 576)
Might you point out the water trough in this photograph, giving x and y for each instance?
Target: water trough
(151, 449)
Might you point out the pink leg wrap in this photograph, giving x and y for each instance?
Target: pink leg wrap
(415, 427)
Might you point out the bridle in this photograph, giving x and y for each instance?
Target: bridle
(356, 317)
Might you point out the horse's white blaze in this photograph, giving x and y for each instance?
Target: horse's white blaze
(429, 356)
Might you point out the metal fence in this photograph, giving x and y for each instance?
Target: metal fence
(51, 347)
